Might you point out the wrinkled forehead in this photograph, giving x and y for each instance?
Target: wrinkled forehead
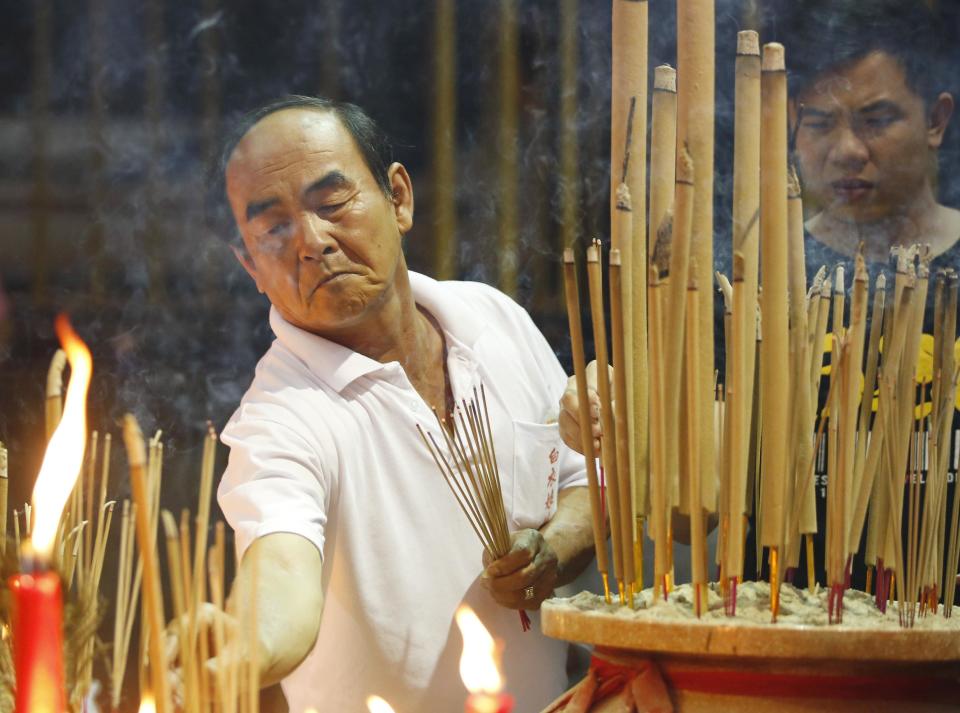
(286, 139)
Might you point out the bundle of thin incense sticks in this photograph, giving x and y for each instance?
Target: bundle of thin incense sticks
(467, 460)
(679, 442)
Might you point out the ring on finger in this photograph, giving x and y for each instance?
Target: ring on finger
(528, 593)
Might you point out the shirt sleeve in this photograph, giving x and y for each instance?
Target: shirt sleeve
(274, 482)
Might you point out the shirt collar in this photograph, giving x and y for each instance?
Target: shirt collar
(338, 366)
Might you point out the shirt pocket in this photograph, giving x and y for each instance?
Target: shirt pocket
(536, 471)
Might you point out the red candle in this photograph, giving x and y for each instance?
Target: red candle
(489, 703)
(38, 642)
(37, 598)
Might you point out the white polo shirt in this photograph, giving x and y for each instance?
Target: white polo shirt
(324, 445)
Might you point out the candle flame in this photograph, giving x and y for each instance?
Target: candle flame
(478, 663)
(64, 456)
(377, 705)
(147, 705)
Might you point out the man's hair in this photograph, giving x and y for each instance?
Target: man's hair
(824, 35)
(374, 145)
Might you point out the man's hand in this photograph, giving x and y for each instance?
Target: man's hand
(569, 420)
(526, 575)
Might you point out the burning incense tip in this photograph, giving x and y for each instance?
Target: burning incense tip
(568, 255)
(839, 282)
(860, 269)
(3, 465)
(661, 249)
(881, 282)
(593, 253)
(817, 284)
(748, 43)
(133, 438)
(793, 183)
(826, 288)
(739, 266)
(685, 166)
(615, 257)
(773, 57)
(623, 197)
(55, 374)
(665, 79)
(726, 289)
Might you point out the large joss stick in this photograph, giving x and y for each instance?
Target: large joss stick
(775, 349)
(802, 412)
(620, 399)
(663, 162)
(628, 165)
(444, 140)
(152, 596)
(507, 123)
(608, 438)
(746, 242)
(695, 129)
(674, 317)
(569, 171)
(586, 435)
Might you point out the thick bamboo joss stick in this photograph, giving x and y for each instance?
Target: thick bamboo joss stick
(507, 124)
(802, 413)
(775, 350)
(153, 600)
(572, 292)
(609, 435)
(443, 125)
(674, 312)
(663, 148)
(695, 130)
(569, 187)
(621, 399)
(746, 206)
(628, 165)
(660, 482)
(443, 120)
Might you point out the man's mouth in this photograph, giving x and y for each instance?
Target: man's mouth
(851, 189)
(327, 280)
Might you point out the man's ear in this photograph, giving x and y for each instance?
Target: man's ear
(940, 112)
(243, 257)
(401, 189)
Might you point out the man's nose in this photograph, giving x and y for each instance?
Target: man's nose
(849, 150)
(316, 239)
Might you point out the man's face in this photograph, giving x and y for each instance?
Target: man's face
(864, 141)
(322, 239)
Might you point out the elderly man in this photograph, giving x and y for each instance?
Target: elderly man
(360, 551)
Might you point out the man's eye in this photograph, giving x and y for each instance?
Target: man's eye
(878, 122)
(331, 208)
(280, 228)
(816, 124)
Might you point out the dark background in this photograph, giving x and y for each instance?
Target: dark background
(110, 116)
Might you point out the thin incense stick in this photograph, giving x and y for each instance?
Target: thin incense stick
(572, 293)
(621, 398)
(136, 453)
(608, 438)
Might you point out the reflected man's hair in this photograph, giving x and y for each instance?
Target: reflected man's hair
(824, 35)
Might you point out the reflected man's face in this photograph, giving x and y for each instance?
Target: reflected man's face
(865, 141)
(322, 239)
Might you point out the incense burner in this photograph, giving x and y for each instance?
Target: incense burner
(750, 665)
